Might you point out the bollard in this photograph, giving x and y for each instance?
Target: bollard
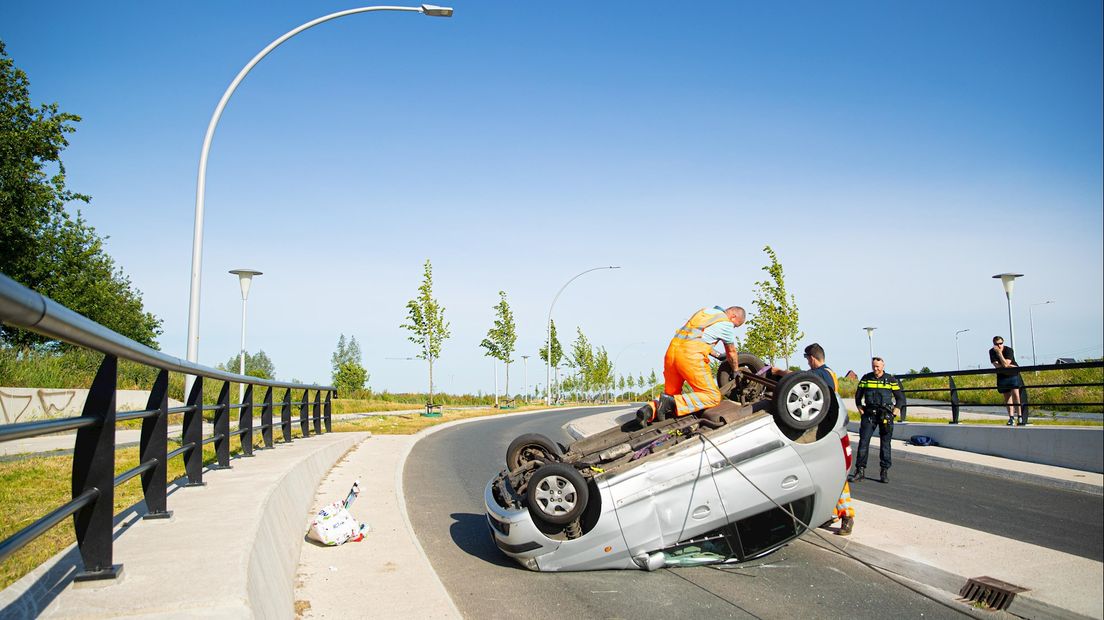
(954, 401)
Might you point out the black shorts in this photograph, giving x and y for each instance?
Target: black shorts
(1007, 383)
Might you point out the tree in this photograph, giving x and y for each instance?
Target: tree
(557, 353)
(654, 381)
(256, 365)
(501, 337)
(582, 359)
(41, 245)
(773, 329)
(349, 375)
(426, 323)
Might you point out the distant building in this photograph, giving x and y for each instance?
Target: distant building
(850, 375)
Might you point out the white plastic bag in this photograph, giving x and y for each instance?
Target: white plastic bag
(334, 525)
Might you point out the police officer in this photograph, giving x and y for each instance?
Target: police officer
(879, 398)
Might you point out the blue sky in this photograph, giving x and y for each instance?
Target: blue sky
(895, 155)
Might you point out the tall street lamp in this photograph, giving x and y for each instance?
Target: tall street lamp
(958, 362)
(1008, 280)
(870, 339)
(245, 279)
(1031, 324)
(525, 374)
(548, 342)
(201, 184)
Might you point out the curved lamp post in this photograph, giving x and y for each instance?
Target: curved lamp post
(201, 184)
(1031, 323)
(548, 342)
(958, 362)
(245, 279)
(1008, 280)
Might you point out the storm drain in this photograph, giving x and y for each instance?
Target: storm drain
(993, 593)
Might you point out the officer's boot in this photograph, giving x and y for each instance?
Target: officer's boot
(885, 475)
(847, 525)
(860, 474)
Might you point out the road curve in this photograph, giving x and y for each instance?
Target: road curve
(443, 483)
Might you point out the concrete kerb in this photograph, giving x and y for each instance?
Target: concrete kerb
(422, 434)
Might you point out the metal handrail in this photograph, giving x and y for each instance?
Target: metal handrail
(27, 309)
(1024, 407)
(94, 443)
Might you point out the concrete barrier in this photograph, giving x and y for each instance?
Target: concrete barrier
(18, 404)
(1075, 448)
(229, 551)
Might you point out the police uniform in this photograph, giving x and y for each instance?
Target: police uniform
(877, 398)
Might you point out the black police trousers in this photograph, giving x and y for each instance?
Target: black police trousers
(867, 424)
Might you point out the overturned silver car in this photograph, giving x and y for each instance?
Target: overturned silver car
(727, 485)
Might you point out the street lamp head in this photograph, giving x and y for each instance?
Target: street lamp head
(437, 11)
(1007, 280)
(962, 331)
(869, 330)
(245, 278)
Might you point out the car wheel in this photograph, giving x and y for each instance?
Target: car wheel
(557, 494)
(531, 447)
(744, 391)
(801, 400)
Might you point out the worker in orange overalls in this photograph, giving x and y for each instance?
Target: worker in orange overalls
(687, 360)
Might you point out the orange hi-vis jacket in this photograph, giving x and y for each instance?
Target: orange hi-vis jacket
(687, 360)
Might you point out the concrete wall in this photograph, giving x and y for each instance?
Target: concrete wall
(27, 404)
(1075, 448)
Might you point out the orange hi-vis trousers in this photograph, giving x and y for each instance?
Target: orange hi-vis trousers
(687, 360)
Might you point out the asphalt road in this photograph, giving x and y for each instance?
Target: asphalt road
(1058, 519)
(443, 482)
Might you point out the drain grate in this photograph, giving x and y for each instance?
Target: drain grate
(993, 593)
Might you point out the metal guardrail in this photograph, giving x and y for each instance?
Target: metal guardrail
(93, 479)
(955, 404)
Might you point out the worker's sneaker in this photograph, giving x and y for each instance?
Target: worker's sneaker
(846, 525)
(885, 476)
(860, 474)
(660, 409)
(646, 413)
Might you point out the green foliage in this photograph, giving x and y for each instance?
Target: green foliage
(256, 365)
(773, 328)
(502, 336)
(557, 349)
(350, 379)
(41, 246)
(426, 323)
(348, 374)
(654, 382)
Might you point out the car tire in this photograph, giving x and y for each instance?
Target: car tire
(532, 447)
(801, 401)
(557, 494)
(743, 391)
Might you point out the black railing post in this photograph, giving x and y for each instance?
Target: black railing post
(192, 435)
(245, 422)
(954, 400)
(266, 418)
(94, 469)
(285, 416)
(318, 412)
(328, 413)
(304, 414)
(154, 447)
(222, 428)
(1023, 405)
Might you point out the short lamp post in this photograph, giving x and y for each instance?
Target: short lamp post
(1008, 280)
(958, 362)
(245, 279)
(1031, 324)
(870, 339)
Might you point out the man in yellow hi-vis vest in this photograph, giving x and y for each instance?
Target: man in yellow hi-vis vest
(687, 360)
